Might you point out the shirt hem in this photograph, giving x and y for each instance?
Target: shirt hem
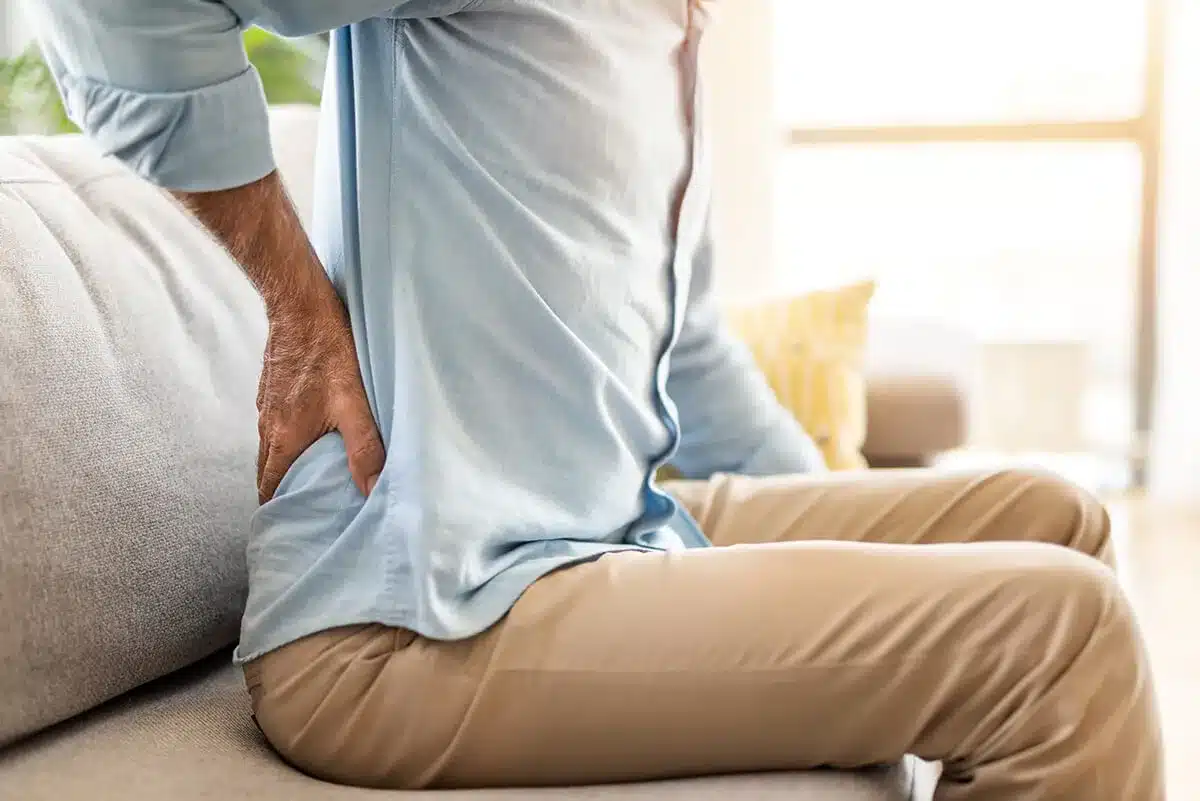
(495, 599)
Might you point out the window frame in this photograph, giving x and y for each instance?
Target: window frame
(1144, 131)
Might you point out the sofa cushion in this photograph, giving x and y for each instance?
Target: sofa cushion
(190, 737)
(130, 347)
(811, 348)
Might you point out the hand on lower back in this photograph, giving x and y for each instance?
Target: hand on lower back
(311, 386)
(310, 383)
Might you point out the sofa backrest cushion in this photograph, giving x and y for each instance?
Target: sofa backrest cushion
(130, 347)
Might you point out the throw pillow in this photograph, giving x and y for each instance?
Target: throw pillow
(811, 348)
(130, 347)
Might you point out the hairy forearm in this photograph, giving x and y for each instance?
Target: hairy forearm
(258, 225)
(310, 384)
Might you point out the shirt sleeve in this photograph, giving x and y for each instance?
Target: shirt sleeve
(164, 86)
(730, 420)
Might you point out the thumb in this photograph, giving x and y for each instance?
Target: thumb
(364, 448)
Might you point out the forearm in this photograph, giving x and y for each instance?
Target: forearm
(260, 228)
(167, 88)
(311, 384)
(731, 420)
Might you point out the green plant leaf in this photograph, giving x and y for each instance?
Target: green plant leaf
(290, 69)
(29, 99)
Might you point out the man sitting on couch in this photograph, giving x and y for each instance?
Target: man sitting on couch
(509, 292)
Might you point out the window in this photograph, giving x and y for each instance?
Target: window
(994, 166)
(874, 62)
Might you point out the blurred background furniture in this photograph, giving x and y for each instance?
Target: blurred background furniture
(918, 391)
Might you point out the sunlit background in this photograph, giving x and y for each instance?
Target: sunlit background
(1028, 250)
(1016, 266)
(873, 62)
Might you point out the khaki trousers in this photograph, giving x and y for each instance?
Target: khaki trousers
(844, 621)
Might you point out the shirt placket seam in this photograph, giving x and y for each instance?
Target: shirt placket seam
(676, 289)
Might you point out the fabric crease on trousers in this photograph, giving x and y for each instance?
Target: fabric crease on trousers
(843, 620)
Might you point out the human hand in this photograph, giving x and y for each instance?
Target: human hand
(311, 386)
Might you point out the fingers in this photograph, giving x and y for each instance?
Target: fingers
(278, 460)
(364, 449)
(263, 378)
(279, 446)
(260, 403)
(263, 442)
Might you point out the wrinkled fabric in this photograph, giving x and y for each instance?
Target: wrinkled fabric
(513, 199)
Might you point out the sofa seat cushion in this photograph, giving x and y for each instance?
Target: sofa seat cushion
(189, 737)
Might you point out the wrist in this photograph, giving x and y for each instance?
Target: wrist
(313, 298)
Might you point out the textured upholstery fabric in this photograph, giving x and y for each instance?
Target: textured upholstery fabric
(130, 347)
(811, 348)
(190, 737)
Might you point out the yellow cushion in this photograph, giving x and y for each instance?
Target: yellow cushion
(811, 348)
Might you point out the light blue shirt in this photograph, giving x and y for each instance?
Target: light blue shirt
(513, 200)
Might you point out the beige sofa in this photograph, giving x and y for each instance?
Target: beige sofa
(129, 350)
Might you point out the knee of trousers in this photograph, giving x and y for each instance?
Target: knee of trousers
(1076, 517)
(1075, 616)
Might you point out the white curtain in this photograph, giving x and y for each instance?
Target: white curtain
(14, 32)
(739, 77)
(1175, 451)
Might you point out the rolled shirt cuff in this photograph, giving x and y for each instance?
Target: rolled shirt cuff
(200, 140)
